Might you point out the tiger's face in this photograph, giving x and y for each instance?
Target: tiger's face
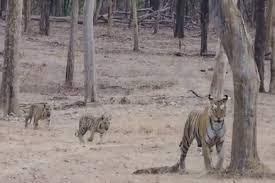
(105, 123)
(218, 108)
(46, 112)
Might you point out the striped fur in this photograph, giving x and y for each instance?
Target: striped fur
(38, 112)
(208, 128)
(94, 125)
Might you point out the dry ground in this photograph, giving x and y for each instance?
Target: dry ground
(144, 133)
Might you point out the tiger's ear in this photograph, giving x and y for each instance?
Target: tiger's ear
(225, 98)
(210, 97)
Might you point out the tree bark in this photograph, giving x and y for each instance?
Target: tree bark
(110, 17)
(268, 18)
(217, 84)
(27, 14)
(260, 40)
(238, 48)
(58, 8)
(9, 85)
(156, 8)
(272, 65)
(97, 11)
(89, 55)
(45, 15)
(179, 28)
(135, 27)
(72, 44)
(204, 25)
(3, 7)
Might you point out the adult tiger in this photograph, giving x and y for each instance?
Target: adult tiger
(208, 128)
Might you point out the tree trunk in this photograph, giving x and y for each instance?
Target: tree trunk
(97, 11)
(238, 48)
(272, 70)
(110, 17)
(217, 84)
(72, 44)
(9, 85)
(135, 22)
(157, 8)
(260, 40)
(89, 55)
(3, 7)
(27, 14)
(58, 8)
(146, 3)
(45, 15)
(204, 25)
(268, 18)
(179, 28)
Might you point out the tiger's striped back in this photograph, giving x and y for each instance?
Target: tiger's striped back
(94, 124)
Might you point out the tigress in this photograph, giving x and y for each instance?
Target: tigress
(208, 128)
(38, 112)
(94, 125)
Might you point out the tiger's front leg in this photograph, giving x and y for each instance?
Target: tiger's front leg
(101, 135)
(220, 152)
(91, 138)
(207, 157)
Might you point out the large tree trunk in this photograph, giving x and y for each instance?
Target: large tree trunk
(89, 55)
(110, 17)
(238, 48)
(217, 84)
(45, 8)
(260, 40)
(9, 85)
(204, 25)
(135, 22)
(72, 44)
(27, 14)
(272, 65)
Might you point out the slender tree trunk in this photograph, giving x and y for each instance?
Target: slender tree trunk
(131, 14)
(272, 65)
(27, 14)
(58, 8)
(260, 40)
(3, 7)
(9, 85)
(45, 15)
(89, 55)
(238, 48)
(204, 25)
(110, 17)
(156, 7)
(135, 22)
(97, 10)
(268, 18)
(217, 84)
(147, 3)
(72, 44)
(179, 28)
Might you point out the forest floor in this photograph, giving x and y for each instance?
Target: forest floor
(144, 133)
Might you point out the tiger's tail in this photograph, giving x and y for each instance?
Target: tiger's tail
(159, 170)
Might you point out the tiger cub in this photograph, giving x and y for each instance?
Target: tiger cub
(94, 125)
(38, 112)
(208, 128)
